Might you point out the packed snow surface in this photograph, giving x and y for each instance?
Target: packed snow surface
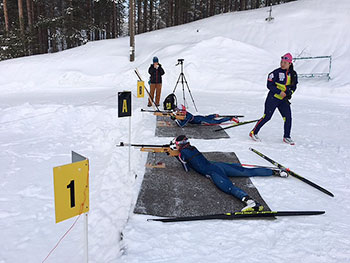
(52, 104)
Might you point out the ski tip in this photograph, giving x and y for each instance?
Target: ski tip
(154, 219)
(163, 220)
(218, 130)
(317, 212)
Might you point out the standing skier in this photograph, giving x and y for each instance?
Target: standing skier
(219, 172)
(282, 83)
(156, 71)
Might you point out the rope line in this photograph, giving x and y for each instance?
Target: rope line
(76, 220)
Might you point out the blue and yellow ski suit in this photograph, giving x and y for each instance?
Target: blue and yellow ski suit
(279, 80)
(219, 172)
(199, 119)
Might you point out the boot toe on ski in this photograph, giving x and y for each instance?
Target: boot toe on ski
(251, 205)
(258, 207)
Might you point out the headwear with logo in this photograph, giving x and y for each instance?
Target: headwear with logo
(287, 57)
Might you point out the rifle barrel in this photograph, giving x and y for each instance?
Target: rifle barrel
(143, 145)
(143, 110)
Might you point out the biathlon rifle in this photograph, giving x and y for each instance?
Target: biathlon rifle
(179, 115)
(165, 148)
(172, 114)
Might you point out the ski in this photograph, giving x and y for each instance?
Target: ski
(292, 173)
(259, 166)
(171, 124)
(230, 116)
(236, 124)
(215, 124)
(239, 215)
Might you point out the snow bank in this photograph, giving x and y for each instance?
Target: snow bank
(54, 103)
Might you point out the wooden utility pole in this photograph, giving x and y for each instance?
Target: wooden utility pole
(6, 17)
(132, 29)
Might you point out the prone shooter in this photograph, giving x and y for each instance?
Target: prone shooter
(217, 172)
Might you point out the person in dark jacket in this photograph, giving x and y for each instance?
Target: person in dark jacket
(156, 71)
(219, 172)
(282, 83)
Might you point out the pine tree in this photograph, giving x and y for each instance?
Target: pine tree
(6, 17)
(145, 16)
(21, 17)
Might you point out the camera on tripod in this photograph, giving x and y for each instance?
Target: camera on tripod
(180, 61)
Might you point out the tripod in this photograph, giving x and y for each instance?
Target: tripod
(183, 81)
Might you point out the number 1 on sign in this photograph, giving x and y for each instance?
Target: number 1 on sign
(71, 182)
(72, 193)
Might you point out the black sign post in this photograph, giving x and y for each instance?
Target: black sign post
(124, 104)
(124, 110)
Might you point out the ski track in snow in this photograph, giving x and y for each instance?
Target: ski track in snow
(52, 104)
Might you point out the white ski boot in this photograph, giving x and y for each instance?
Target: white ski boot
(254, 137)
(289, 141)
(280, 173)
(251, 205)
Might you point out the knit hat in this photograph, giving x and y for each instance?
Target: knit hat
(287, 57)
(155, 60)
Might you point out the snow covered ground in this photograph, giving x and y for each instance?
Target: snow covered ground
(52, 104)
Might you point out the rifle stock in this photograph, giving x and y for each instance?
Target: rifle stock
(154, 148)
(177, 115)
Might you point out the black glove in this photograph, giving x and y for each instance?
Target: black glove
(288, 94)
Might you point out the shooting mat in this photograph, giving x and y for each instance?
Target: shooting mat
(170, 191)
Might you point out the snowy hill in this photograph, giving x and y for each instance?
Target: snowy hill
(52, 104)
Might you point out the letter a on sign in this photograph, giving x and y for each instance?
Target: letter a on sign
(124, 104)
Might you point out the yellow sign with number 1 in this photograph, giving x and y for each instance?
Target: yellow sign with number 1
(71, 183)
